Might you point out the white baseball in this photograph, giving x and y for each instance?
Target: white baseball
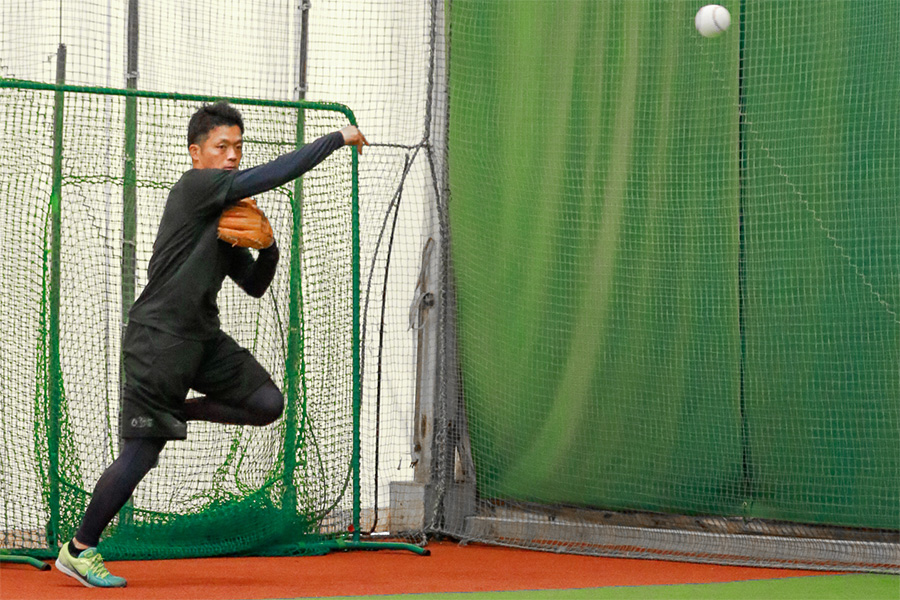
(712, 20)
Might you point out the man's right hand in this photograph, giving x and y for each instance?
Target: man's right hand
(354, 137)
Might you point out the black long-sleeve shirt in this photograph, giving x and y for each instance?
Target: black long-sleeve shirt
(189, 262)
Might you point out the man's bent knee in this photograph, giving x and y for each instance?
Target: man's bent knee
(266, 404)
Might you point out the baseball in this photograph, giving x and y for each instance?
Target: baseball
(712, 20)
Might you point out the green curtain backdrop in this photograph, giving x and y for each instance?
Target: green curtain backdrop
(643, 324)
(594, 219)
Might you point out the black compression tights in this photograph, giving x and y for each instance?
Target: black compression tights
(261, 408)
(116, 485)
(139, 455)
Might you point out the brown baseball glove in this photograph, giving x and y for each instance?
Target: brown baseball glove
(245, 225)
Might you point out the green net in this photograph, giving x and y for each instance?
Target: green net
(822, 262)
(275, 489)
(677, 266)
(378, 58)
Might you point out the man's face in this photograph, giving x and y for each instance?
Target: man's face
(220, 150)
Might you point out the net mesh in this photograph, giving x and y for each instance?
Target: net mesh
(377, 58)
(676, 261)
(822, 263)
(226, 489)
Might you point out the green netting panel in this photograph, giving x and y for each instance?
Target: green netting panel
(822, 234)
(665, 303)
(594, 173)
(226, 489)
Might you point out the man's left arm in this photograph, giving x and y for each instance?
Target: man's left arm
(254, 276)
(288, 167)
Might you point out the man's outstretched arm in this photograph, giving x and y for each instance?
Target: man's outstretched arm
(290, 166)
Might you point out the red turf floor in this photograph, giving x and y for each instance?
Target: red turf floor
(450, 568)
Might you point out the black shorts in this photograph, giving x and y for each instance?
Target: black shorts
(160, 369)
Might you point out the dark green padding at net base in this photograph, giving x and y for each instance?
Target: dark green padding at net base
(664, 306)
(254, 524)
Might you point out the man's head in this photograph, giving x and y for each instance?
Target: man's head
(215, 137)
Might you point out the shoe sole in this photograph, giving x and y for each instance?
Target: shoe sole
(73, 574)
(77, 576)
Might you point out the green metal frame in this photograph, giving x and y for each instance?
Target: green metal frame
(23, 560)
(295, 377)
(295, 336)
(135, 93)
(55, 371)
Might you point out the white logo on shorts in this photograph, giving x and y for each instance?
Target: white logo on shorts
(142, 422)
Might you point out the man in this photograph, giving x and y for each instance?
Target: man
(174, 342)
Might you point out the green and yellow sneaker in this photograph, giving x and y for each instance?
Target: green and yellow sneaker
(88, 568)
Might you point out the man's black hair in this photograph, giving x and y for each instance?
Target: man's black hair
(210, 116)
